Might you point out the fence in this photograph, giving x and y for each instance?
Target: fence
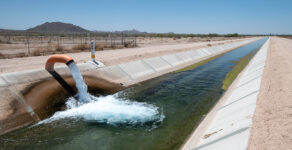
(15, 43)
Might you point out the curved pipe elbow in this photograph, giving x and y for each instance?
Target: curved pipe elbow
(57, 58)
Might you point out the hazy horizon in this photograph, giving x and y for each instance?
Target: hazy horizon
(198, 17)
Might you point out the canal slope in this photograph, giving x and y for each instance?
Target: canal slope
(272, 121)
(228, 124)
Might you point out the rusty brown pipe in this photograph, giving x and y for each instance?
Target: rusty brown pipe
(60, 58)
(57, 58)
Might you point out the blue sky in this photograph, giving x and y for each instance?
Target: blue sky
(180, 16)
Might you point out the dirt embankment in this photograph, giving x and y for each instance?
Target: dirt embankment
(108, 57)
(272, 121)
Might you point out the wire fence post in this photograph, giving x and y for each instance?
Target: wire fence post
(88, 37)
(58, 42)
(73, 36)
(8, 40)
(111, 39)
(122, 39)
(50, 38)
(135, 44)
(106, 38)
(27, 41)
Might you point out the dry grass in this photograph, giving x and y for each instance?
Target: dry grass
(59, 48)
(51, 48)
(81, 47)
(2, 56)
(129, 44)
(22, 54)
(36, 53)
(99, 46)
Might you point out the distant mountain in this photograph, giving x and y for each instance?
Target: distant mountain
(60, 27)
(57, 27)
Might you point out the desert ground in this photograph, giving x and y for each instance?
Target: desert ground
(272, 121)
(147, 47)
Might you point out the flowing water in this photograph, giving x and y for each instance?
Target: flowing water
(83, 96)
(157, 114)
(108, 109)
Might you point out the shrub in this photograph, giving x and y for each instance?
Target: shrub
(59, 48)
(81, 47)
(99, 46)
(22, 54)
(129, 44)
(36, 53)
(2, 56)
(232, 35)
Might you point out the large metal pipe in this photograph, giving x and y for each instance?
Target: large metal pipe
(60, 58)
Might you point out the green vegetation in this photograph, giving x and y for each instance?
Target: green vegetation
(239, 66)
(191, 67)
(232, 35)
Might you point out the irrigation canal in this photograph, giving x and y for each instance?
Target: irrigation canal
(156, 114)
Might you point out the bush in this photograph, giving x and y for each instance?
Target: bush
(22, 54)
(99, 46)
(81, 47)
(36, 53)
(2, 56)
(59, 48)
(232, 35)
(129, 44)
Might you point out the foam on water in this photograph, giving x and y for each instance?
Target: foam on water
(108, 109)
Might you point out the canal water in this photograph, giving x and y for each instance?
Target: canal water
(157, 114)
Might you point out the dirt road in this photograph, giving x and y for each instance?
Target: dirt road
(272, 121)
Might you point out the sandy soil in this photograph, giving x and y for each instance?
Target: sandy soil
(272, 121)
(19, 45)
(108, 57)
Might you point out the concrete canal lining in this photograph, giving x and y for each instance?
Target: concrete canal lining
(17, 109)
(228, 124)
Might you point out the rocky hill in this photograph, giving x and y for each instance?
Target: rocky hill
(57, 27)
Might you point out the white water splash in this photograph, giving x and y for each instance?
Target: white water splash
(108, 109)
